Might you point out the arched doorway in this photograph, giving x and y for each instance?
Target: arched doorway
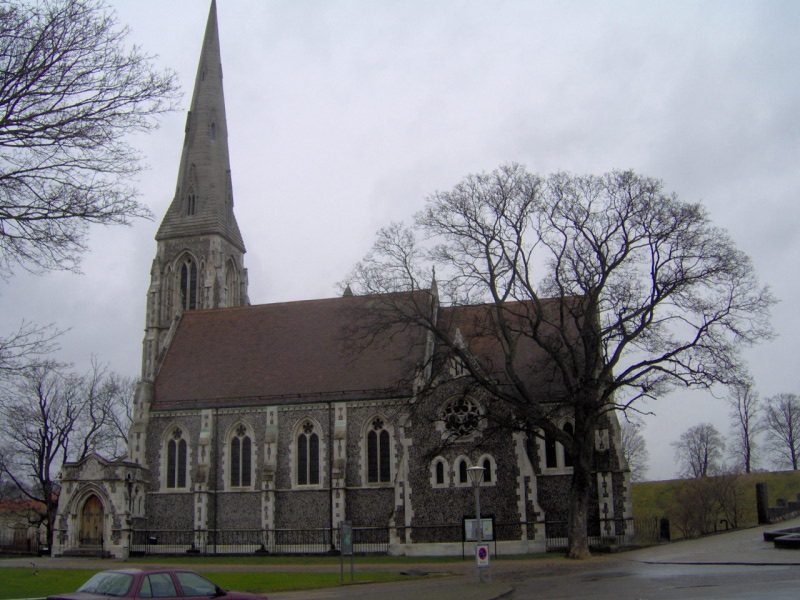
(92, 522)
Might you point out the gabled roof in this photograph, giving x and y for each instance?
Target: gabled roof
(287, 352)
(477, 326)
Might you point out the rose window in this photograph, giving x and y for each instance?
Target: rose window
(461, 417)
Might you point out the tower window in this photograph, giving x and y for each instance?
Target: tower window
(191, 202)
(189, 284)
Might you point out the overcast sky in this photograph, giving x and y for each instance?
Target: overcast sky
(342, 116)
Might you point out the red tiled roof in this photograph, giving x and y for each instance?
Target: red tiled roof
(20, 504)
(287, 352)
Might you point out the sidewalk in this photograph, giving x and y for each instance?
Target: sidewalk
(741, 547)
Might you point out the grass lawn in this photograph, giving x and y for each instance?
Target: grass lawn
(33, 583)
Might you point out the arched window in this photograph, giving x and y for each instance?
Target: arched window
(308, 455)
(461, 474)
(556, 456)
(487, 470)
(191, 202)
(241, 458)
(379, 453)
(169, 286)
(568, 429)
(188, 284)
(440, 473)
(231, 284)
(550, 454)
(213, 131)
(489, 465)
(177, 457)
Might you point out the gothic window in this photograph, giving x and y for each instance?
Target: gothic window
(440, 473)
(241, 458)
(167, 294)
(188, 284)
(568, 429)
(461, 418)
(231, 284)
(487, 471)
(177, 456)
(308, 455)
(191, 202)
(550, 454)
(556, 455)
(379, 453)
(213, 131)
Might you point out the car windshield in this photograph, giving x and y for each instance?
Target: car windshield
(108, 584)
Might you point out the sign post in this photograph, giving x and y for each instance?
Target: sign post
(481, 549)
(346, 540)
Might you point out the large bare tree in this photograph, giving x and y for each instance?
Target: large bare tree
(746, 423)
(49, 416)
(699, 451)
(71, 93)
(634, 448)
(650, 295)
(782, 423)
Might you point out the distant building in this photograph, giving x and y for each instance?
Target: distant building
(22, 525)
(254, 422)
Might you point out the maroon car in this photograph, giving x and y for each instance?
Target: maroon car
(151, 583)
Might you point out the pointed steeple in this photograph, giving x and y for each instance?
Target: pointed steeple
(199, 261)
(203, 202)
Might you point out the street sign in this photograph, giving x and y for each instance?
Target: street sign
(482, 554)
(347, 538)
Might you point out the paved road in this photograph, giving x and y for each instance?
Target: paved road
(737, 565)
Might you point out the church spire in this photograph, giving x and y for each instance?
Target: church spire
(203, 202)
(199, 261)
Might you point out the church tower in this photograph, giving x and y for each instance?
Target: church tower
(199, 259)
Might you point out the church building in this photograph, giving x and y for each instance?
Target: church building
(256, 427)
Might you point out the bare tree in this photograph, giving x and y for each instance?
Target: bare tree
(649, 295)
(28, 346)
(51, 416)
(634, 449)
(699, 451)
(782, 422)
(71, 92)
(745, 416)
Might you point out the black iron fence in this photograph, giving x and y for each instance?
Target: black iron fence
(626, 532)
(19, 541)
(366, 540)
(370, 540)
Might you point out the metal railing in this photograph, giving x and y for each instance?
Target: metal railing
(366, 540)
(16, 541)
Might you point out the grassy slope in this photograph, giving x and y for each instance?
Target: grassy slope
(651, 499)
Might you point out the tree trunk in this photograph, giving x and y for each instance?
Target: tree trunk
(579, 492)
